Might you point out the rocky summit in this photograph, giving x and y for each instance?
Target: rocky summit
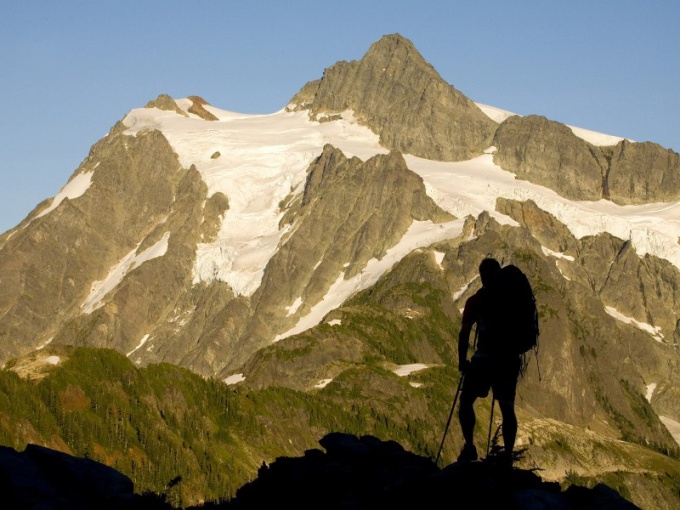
(273, 279)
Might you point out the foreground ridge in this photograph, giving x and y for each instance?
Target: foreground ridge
(353, 473)
(366, 472)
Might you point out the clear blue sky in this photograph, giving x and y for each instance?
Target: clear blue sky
(71, 69)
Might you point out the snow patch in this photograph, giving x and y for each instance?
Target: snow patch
(49, 340)
(594, 137)
(53, 360)
(439, 257)
(141, 343)
(129, 262)
(404, 370)
(322, 383)
(461, 291)
(334, 322)
(75, 188)
(233, 379)
(294, 307)
(654, 331)
(559, 255)
(496, 114)
(650, 391)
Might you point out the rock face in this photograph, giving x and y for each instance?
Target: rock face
(401, 97)
(549, 153)
(125, 210)
(659, 182)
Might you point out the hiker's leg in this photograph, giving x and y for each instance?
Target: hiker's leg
(509, 424)
(504, 386)
(466, 416)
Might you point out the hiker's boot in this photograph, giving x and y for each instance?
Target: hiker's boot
(502, 460)
(468, 453)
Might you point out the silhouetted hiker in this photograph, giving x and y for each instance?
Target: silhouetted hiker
(489, 368)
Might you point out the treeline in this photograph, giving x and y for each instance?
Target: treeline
(178, 434)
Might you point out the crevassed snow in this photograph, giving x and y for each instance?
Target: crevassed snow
(132, 260)
(75, 188)
(654, 331)
(264, 159)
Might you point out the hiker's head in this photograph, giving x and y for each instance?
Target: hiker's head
(488, 268)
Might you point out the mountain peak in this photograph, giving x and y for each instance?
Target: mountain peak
(395, 47)
(396, 93)
(392, 43)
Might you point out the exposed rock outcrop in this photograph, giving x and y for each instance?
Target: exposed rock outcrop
(401, 97)
(640, 173)
(548, 153)
(198, 108)
(165, 102)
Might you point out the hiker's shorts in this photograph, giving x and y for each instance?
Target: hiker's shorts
(498, 374)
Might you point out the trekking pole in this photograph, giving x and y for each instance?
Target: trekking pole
(448, 422)
(488, 440)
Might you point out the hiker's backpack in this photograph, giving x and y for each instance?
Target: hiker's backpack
(513, 313)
